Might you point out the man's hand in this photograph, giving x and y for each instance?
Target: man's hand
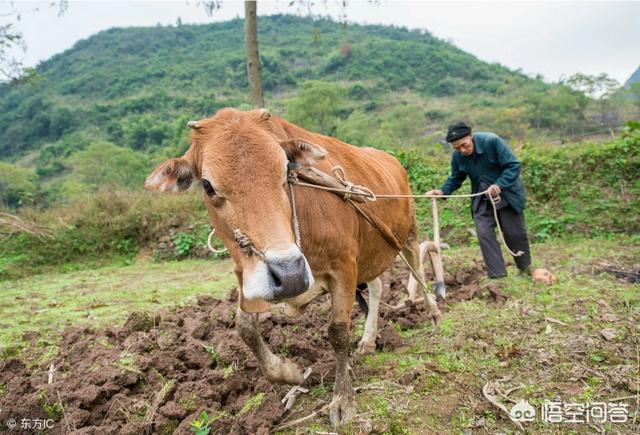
(435, 193)
(494, 190)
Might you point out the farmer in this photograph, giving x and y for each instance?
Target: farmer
(490, 164)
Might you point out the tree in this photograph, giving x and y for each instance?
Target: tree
(602, 88)
(558, 107)
(355, 129)
(251, 50)
(12, 69)
(508, 122)
(317, 107)
(401, 126)
(105, 163)
(252, 53)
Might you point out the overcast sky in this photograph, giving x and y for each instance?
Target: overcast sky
(553, 39)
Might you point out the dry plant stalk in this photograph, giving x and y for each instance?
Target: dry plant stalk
(11, 224)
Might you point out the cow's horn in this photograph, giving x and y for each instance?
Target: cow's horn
(193, 124)
(265, 114)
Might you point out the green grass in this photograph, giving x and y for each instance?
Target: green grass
(44, 304)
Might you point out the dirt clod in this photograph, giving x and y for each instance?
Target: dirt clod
(389, 338)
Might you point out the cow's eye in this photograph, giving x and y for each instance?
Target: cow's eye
(208, 188)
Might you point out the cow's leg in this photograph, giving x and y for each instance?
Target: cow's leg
(411, 252)
(343, 406)
(274, 368)
(368, 342)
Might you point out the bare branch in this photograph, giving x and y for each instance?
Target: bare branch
(210, 6)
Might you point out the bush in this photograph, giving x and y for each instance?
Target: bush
(184, 243)
(17, 185)
(585, 188)
(103, 163)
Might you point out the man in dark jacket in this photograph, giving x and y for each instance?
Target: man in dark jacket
(490, 164)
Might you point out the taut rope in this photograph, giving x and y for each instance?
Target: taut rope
(338, 171)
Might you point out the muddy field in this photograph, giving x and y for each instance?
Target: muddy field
(158, 372)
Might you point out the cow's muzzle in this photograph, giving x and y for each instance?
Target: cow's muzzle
(289, 277)
(278, 275)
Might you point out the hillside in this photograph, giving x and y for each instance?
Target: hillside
(156, 75)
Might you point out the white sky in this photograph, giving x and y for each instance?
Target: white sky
(550, 38)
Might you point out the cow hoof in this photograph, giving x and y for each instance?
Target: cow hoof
(342, 410)
(366, 347)
(283, 371)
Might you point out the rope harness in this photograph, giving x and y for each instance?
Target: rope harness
(349, 193)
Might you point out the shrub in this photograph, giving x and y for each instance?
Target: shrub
(17, 185)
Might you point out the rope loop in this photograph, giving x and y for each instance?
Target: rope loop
(494, 199)
(210, 246)
(292, 177)
(351, 188)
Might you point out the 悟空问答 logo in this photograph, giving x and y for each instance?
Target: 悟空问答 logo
(522, 412)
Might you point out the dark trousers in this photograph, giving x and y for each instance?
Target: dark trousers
(515, 234)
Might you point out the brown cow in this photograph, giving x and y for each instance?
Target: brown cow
(242, 160)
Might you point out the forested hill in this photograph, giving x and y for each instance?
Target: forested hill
(120, 61)
(136, 86)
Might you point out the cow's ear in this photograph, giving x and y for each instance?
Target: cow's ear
(302, 151)
(174, 175)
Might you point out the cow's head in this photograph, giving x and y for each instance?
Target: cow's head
(241, 165)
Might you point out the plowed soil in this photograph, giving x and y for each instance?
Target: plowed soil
(157, 372)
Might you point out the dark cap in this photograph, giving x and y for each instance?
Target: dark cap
(458, 131)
